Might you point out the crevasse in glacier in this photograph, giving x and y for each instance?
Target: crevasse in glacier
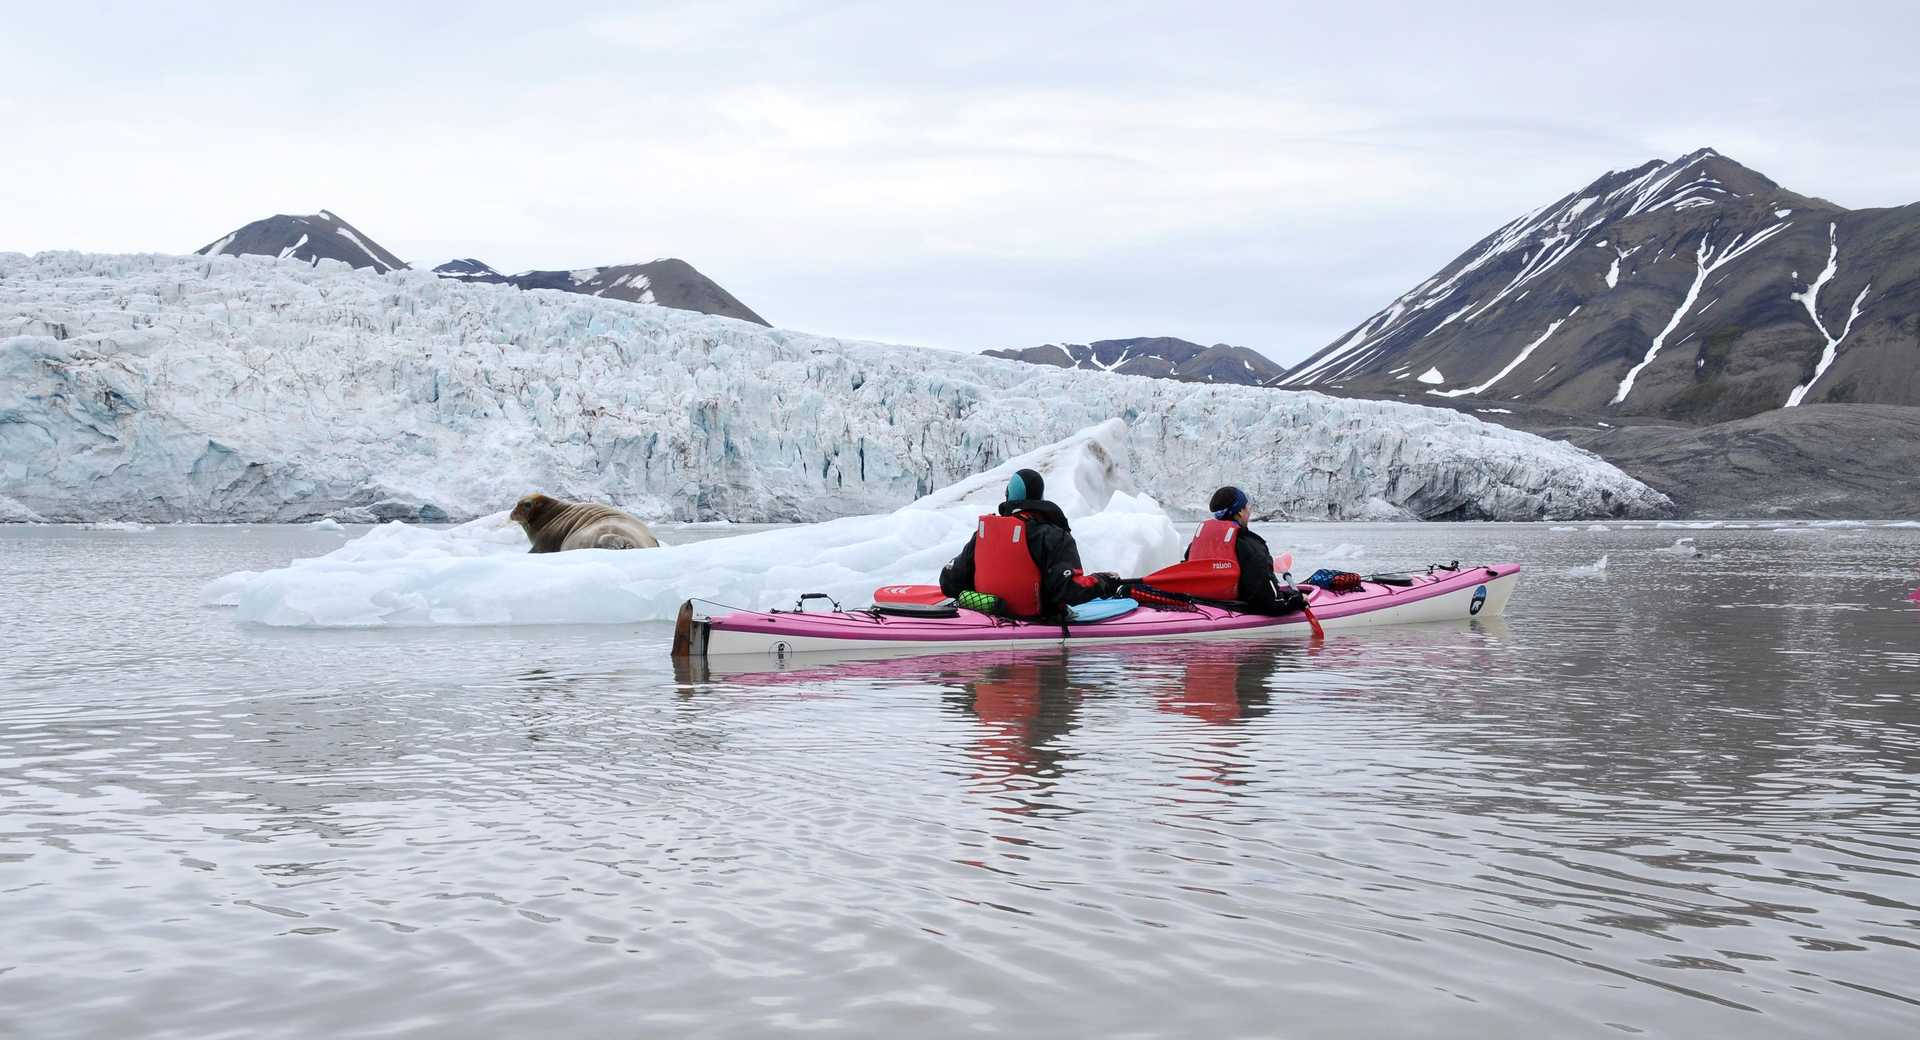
(164, 388)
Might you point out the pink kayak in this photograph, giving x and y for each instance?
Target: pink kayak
(1443, 595)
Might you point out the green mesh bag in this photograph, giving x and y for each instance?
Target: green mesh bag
(980, 601)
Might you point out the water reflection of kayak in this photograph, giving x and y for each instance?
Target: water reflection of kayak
(1444, 595)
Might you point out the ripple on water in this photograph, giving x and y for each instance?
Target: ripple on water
(1653, 803)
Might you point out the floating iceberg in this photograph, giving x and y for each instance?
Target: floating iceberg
(1685, 548)
(225, 388)
(480, 573)
(1595, 569)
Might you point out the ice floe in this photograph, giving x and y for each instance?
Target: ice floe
(1684, 548)
(480, 573)
(1590, 570)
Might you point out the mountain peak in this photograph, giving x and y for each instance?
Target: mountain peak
(465, 267)
(1165, 357)
(1688, 288)
(666, 283)
(310, 238)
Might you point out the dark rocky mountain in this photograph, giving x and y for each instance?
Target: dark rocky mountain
(466, 269)
(316, 236)
(668, 283)
(1695, 290)
(1812, 461)
(1853, 462)
(1162, 357)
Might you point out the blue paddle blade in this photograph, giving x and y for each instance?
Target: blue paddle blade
(1100, 610)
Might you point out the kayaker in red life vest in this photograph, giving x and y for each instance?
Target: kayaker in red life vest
(1227, 537)
(1025, 556)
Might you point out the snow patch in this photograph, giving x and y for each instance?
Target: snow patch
(1432, 376)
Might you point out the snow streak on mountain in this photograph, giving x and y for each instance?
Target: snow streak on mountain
(1695, 289)
(253, 388)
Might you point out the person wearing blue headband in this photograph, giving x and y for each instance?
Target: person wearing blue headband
(1024, 557)
(1227, 538)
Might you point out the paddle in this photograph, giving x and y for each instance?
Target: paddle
(1185, 576)
(914, 600)
(912, 595)
(1286, 575)
(1167, 581)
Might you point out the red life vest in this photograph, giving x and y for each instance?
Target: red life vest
(1215, 544)
(1003, 564)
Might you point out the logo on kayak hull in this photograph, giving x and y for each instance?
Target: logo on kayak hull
(1479, 600)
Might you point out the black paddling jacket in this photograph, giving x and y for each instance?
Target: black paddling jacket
(1051, 543)
(1257, 587)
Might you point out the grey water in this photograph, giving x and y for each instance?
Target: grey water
(1679, 797)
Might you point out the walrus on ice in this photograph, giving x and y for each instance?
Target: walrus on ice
(556, 525)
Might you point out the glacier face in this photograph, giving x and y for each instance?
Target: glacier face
(165, 388)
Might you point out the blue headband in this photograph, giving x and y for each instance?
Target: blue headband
(1239, 503)
(1016, 488)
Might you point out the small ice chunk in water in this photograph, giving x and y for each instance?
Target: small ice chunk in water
(1683, 547)
(1591, 570)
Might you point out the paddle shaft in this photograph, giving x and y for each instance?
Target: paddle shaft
(1286, 575)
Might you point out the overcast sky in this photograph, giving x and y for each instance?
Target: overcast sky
(958, 175)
